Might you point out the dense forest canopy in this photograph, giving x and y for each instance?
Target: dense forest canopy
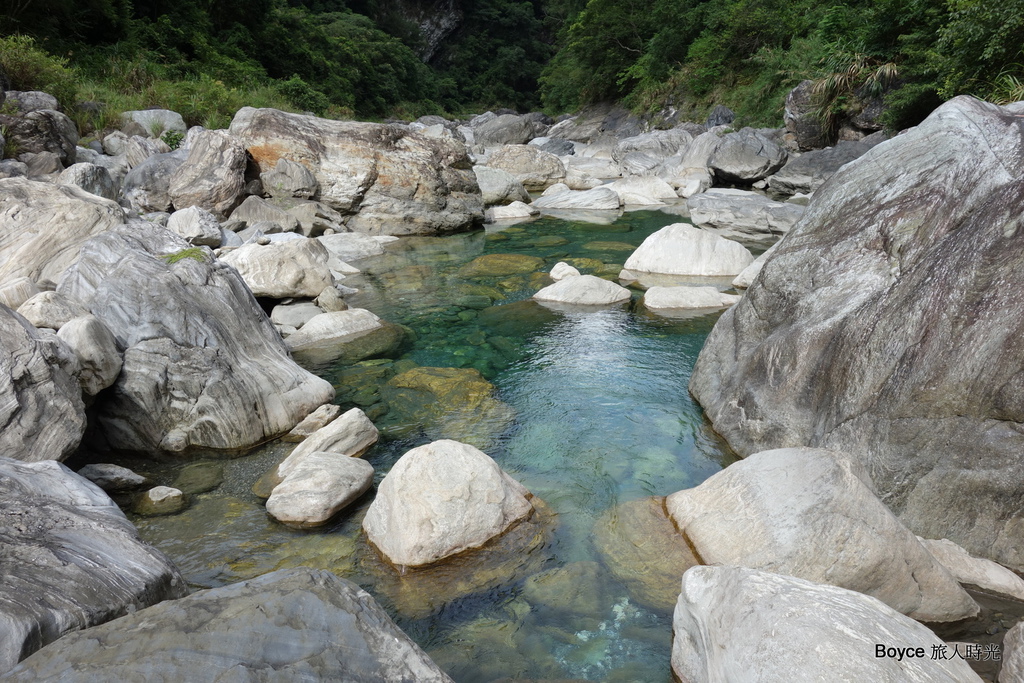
(404, 58)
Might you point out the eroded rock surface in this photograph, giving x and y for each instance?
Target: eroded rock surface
(888, 325)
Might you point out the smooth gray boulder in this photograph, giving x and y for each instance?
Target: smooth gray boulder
(147, 186)
(809, 513)
(137, 149)
(721, 115)
(741, 214)
(91, 178)
(112, 478)
(42, 416)
(317, 488)
(746, 156)
(681, 249)
(394, 181)
(534, 168)
(282, 270)
(809, 171)
(213, 175)
(801, 118)
(99, 359)
(289, 179)
(42, 227)
(197, 225)
(584, 290)
(657, 144)
(70, 559)
(737, 624)
(499, 187)
(203, 365)
(886, 325)
(516, 211)
(290, 625)
(975, 571)
(294, 315)
(440, 499)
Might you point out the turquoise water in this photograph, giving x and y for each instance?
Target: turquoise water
(590, 411)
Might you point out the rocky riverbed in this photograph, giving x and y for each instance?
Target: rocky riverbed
(263, 348)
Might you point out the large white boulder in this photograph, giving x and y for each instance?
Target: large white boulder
(808, 513)
(99, 358)
(533, 167)
(499, 187)
(682, 249)
(737, 624)
(440, 499)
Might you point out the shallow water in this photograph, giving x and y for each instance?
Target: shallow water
(599, 416)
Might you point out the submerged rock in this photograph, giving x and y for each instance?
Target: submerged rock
(447, 403)
(498, 265)
(807, 513)
(888, 324)
(441, 499)
(737, 624)
(203, 366)
(160, 500)
(350, 335)
(293, 624)
(70, 559)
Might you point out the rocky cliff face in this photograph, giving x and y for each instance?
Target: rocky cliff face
(436, 19)
(889, 324)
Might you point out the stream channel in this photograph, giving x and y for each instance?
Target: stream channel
(599, 416)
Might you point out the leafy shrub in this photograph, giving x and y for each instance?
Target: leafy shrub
(30, 68)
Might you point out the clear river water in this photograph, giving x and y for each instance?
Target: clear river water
(594, 414)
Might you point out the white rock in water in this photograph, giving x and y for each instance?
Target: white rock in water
(650, 187)
(318, 487)
(440, 499)
(807, 512)
(337, 326)
(320, 417)
(586, 290)
(687, 297)
(511, 211)
(682, 249)
(737, 624)
(160, 500)
(349, 435)
(562, 270)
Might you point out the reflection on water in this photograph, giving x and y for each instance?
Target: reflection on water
(593, 413)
